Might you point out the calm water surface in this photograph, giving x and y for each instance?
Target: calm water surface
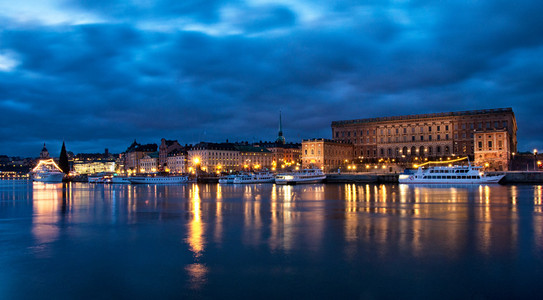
(89, 241)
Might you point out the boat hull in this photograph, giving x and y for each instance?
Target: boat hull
(300, 180)
(158, 180)
(48, 178)
(484, 180)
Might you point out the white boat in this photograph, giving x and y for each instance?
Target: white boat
(227, 179)
(47, 171)
(116, 179)
(304, 176)
(104, 177)
(158, 179)
(450, 175)
(261, 177)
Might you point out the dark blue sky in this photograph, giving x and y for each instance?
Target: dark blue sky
(101, 73)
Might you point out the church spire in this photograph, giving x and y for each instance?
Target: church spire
(280, 139)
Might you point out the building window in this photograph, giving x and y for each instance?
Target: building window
(446, 127)
(490, 145)
(463, 126)
(404, 130)
(438, 128)
(504, 124)
(422, 138)
(480, 144)
(413, 138)
(496, 124)
(430, 137)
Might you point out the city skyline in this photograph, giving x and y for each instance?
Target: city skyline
(99, 75)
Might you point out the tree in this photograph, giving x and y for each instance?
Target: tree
(63, 160)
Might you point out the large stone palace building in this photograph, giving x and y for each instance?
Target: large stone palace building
(431, 136)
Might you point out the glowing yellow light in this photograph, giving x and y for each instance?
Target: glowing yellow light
(487, 165)
(196, 160)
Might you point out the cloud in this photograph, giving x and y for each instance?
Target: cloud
(214, 70)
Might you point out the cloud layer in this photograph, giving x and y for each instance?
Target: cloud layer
(101, 73)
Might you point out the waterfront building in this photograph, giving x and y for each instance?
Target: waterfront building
(92, 163)
(166, 147)
(424, 136)
(492, 150)
(149, 163)
(176, 162)
(214, 157)
(283, 154)
(254, 158)
(134, 153)
(326, 154)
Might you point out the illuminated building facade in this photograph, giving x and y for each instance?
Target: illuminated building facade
(164, 149)
(214, 157)
(93, 167)
(134, 153)
(426, 136)
(177, 162)
(326, 154)
(492, 150)
(254, 158)
(149, 163)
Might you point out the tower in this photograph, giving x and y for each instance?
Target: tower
(280, 139)
(44, 153)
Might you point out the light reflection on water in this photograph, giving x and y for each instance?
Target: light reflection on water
(211, 231)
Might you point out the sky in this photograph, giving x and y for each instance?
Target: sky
(99, 74)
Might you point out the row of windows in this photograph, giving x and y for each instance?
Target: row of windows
(438, 128)
(480, 125)
(453, 177)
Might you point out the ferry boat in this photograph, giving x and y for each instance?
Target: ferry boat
(158, 179)
(304, 176)
(227, 179)
(47, 171)
(116, 179)
(450, 175)
(262, 177)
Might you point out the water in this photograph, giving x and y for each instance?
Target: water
(83, 241)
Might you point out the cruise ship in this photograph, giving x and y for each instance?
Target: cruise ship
(450, 175)
(47, 171)
(158, 179)
(304, 176)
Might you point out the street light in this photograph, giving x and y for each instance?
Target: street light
(535, 159)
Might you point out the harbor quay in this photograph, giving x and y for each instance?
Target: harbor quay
(388, 145)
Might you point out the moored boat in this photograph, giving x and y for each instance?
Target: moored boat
(116, 179)
(227, 179)
(261, 177)
(450, 175)
(47, 171)
(158, 179)
(304, 176)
